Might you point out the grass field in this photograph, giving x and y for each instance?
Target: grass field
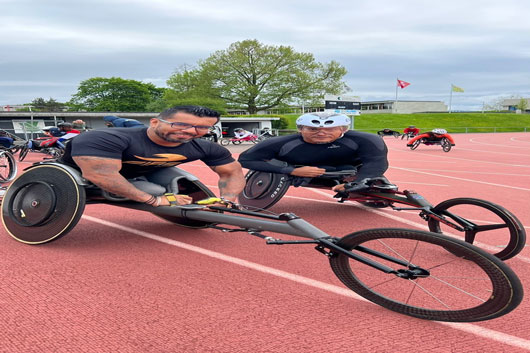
(454, 122)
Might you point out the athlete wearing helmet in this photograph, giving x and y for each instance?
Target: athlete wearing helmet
(322, 144)
(432, 136)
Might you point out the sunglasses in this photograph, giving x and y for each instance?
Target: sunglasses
(185, 126)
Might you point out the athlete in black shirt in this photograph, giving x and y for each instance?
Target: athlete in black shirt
(324, 144)
(112, 158)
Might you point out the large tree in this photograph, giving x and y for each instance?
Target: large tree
(115, 94)
(254, 76)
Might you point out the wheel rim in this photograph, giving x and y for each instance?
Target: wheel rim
(448, 288)
(33, 204)
(490, 227)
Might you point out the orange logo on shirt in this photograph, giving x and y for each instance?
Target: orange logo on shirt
(163, 160)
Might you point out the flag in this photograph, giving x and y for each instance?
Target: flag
(456, 89)
(402, 84)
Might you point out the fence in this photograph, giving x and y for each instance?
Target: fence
(452, 130)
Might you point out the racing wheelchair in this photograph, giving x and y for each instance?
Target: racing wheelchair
(429, 140)
(420, 274)
(475, 219)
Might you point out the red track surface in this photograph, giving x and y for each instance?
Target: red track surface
(126, 281)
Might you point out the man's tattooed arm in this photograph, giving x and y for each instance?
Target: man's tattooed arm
(231, 180)
(104, 172)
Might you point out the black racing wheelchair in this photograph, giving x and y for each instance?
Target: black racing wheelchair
(475, 219)
(421, 274)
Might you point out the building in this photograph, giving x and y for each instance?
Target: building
(512, 104)
(27, 124)
(403, 107)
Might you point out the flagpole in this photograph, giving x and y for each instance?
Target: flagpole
(450, 98)
(395, 101)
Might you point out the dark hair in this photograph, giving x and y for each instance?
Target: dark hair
(65, 124)
(201, 112)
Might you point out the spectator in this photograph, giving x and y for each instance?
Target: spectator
(114, 121)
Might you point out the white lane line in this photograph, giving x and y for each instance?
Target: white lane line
(469, 328)
(516, 140)
(468, 160)
(496, 145)
(468, 172)
(496, 152)
(416, 183)
(464, 179)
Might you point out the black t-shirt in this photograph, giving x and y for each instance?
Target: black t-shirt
(354, 148)
(140, 155)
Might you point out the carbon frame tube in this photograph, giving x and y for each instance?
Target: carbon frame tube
(293, 226)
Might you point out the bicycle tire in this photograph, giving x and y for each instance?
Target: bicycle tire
(415, 144)
(491, 288)
(498, 214)
(23, 153)
(237, 142)
(446, 145)
(8, 166)
(224, 142)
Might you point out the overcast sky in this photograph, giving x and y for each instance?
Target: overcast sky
(49, 46)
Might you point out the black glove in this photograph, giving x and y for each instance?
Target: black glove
(357, 186)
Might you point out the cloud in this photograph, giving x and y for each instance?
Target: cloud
(481, 45)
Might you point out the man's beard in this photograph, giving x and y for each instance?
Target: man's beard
(167, 138)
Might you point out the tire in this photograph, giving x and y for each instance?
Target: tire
(224, 142)
(505, 242)
(446, 145)
(42, 205)
(23, 153)
(415, 144)
(237, 142)
(263, 190)
(8, 166)
(449, 288)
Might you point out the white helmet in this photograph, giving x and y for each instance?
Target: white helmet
(439, 131)
(323, 119)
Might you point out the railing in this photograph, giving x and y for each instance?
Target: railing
(452, 130)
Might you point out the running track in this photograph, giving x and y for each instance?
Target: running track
(125, 281)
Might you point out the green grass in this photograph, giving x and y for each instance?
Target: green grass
(454, 122)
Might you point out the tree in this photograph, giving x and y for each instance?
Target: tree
(114, 94)
(255, 77)
(522, 105)
(51, 105)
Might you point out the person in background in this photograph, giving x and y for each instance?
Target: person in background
(79, 125)
(5, 140)
(114, 121)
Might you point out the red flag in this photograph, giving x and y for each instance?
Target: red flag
(402, 84)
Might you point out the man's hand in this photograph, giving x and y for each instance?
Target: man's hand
(179, 199)
(309, 172)
(338, 188)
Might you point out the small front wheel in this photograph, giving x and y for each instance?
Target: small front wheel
(424, 278)
(23, 152)
(494, 228)
(8, 166)
(224, 142)
(415, 144)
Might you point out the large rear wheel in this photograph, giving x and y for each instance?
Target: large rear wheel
(263, 190)
(483, 223)
(446, 145)
(430, 282)
(42, 205)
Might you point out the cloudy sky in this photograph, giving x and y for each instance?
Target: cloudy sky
(483, 46)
